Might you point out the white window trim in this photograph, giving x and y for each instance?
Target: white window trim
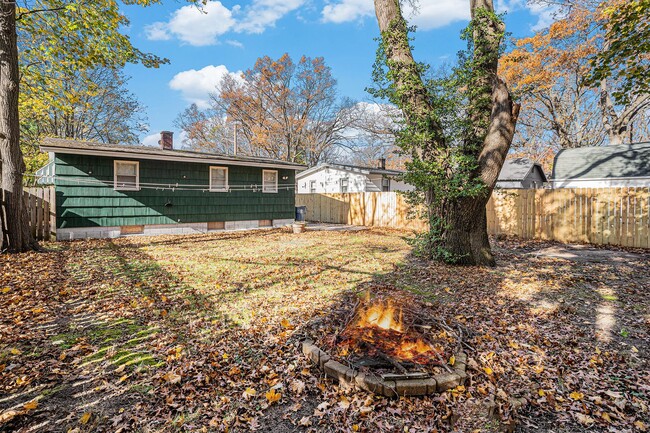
(347, 179)
(219, 189)
(264, 183)
(137, 175)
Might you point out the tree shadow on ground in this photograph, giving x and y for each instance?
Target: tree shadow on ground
(106, 325)
(154, 334)
(568, 339)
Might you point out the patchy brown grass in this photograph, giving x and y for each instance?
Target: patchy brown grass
(200, 333)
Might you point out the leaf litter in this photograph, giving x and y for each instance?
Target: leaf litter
(201, 333)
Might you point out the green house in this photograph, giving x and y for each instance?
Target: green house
(106, 190)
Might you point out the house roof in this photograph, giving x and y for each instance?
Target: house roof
(347, 167)
(517, 169)
(624, 160)
(58, 145)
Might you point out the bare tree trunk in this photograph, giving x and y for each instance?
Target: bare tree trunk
(491, 111)
(618, 126)
(17, 235)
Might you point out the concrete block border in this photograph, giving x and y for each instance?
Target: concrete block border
(350, 377)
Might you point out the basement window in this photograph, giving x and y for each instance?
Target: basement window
(219, 179)
(126, 175)
(269, 181)
(216, 225)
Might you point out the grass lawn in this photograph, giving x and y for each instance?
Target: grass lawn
(201, 333)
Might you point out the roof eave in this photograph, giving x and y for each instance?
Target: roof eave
(127, 153)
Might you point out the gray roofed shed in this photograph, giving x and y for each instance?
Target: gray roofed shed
(521, 173)
(603, 162)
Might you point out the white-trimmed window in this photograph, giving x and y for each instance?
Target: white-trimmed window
(345, 182)
(126, 175)
(385, 184)
(219, 179)
(269, 181)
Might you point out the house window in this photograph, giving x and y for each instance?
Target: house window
(312, 186)
(269, 181)
(344, 184)
(385, 184)
(219, 179)
(126, 175)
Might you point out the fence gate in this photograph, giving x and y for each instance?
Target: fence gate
(41, 210)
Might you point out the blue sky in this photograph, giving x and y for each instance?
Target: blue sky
(228, 36)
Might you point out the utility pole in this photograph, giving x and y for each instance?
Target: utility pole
(234, 150)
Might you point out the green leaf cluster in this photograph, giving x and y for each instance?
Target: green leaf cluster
(627, 48)
(71, 54)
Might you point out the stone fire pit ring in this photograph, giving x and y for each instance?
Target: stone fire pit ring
(388, 385)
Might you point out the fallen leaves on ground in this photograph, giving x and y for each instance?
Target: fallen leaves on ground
(201, 333)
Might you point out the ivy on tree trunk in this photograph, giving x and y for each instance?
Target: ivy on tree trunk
(454, 172)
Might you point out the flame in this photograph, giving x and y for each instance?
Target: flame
(382, 316)
(382, 325)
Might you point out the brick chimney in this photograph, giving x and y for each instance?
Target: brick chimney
(382, 163)
(166, 141)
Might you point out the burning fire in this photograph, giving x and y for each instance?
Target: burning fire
(380, 327)
(382, 316)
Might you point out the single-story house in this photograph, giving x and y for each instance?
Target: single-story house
(623, 165)
(521, 173)
(341, 178)
(108, 190)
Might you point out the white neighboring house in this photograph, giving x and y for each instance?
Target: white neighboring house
(623, 165)
(340, 178)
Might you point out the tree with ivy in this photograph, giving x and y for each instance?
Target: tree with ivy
(456, 131)
(55, 35)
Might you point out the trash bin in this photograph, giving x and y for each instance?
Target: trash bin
(301, 213)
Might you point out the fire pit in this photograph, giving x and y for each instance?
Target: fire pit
(376, 351)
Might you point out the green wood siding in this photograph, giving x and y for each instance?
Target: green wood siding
(82, 201)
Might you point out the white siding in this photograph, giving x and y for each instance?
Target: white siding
(328, 180)
(396, 185)
(602, 183)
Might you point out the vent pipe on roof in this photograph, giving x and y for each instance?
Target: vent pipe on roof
(166, 141)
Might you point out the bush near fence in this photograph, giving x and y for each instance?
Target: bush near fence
(608, 216)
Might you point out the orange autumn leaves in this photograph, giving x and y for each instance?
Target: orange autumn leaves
(539, 61)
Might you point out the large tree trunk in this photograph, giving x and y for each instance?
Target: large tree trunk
(493, 118)
(16, 235)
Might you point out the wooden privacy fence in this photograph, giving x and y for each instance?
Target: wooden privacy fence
(614, 216)
(372, 209)
(42, 212)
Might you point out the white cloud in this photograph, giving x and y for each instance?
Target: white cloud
(235, 43)
(433, 14)
(348, 10)
(151, 140)
(195, 26)
(157, 32)
(545, 14)
(430, 14)
(196, 86)
(265, 13)
(200, 26)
